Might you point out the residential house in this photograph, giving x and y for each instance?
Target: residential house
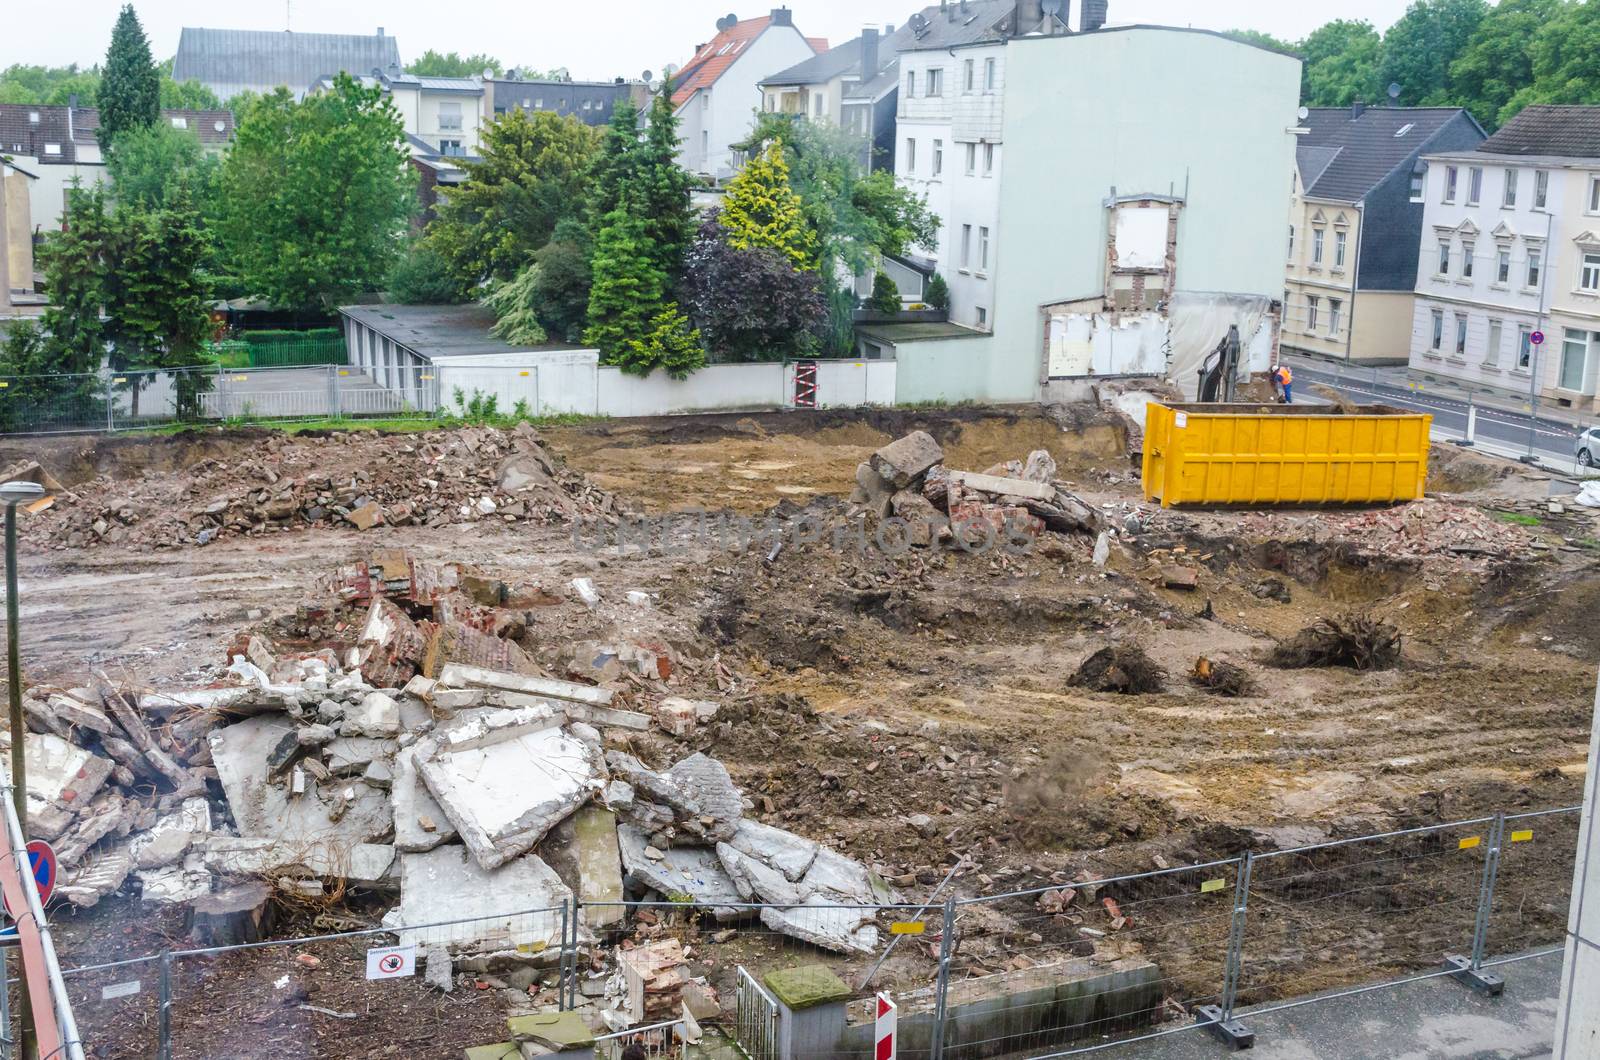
(230, 61)
(442, 116)
(829, 88)
(1112, 198)
(57, 143)
(1511, 250)
(591, 102)
(1359, 170)
(716, 92)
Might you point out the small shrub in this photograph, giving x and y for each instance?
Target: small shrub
(672, 344)
(885, 295)
(938, 293)
(514, 303)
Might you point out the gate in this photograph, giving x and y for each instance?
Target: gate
(756, 1029)
(805, 384)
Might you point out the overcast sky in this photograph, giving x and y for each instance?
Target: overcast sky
(611, 38)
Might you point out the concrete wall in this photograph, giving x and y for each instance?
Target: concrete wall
(48, 196)
(956, 370)
(1382, 327)
(713, 388)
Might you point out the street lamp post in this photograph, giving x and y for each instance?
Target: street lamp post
(11, 495)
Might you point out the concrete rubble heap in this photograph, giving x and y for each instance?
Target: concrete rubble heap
(907, 480)
(413, 762)
(356, 480)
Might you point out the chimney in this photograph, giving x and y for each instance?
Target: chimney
(1029, 14)
(380, 31)
(782, 16)
(869, 55)
(1093, 16)
(1357, 109)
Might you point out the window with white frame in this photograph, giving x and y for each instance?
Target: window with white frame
(1468, 248)
(1313, 306)
(1339, 241)
(1508, 197)
(1535, 261)
(1461, 335)
(1419, 182)
(988, 75)
(911, 154)
(819, 103)
(983, 247)
(1444, 257)
(966, 245)
(1335, 312)
(982, 315)
(1502, 274)
(968, 76)
(1589, 273)
(1491, 352)
(1474, 185)
(450, 117)
(451, 148)
(1594, 194)
(938, 157)
(972, 159)
(911, 84)
(935, 81)
(1574, 360)
(1541, 188)
(1451, 175)
(1317, 235)
(1438, 330)
(1291, 242)
(1524, 346)
(988, 160)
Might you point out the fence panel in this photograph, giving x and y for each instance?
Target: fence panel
(1528, 913)
(1361, 910)
(46, 404)
(1056, 970)
(117, 1007)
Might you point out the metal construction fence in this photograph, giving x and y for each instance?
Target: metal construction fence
(1048, 971)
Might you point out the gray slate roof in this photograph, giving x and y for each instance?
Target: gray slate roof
(19, 134)
(1366, 148)
(983, 20)
(229, 60)
(1549, 130)
(439, 331)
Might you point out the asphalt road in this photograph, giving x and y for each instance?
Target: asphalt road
(1553, 440)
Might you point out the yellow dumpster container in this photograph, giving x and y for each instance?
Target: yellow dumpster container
(1283, 454)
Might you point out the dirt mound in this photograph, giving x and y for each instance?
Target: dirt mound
(1126, 670)
(1221, 678)
(276, 482)
(1355, 641)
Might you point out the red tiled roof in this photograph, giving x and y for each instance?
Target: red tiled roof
(818, 44)
(713, 60)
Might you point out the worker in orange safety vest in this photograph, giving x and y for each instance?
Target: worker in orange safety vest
(1282, 376)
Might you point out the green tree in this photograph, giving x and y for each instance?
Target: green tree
(670, 342)
(130, 92)
(561, 291)
(316, 194)
(148, 166)
(421, 276)
(75, 279)
(1419, 49)
(885, 297)
(155, 303)
(614, 165)
(938, 293)
(762, 210)
(530, 176)
(450, 64)
(513, 304)
(1498, 61)
(1265, 40)
(52, 85)
(1342, 60)
(663, 188)
(1564, 67)
(627, 290)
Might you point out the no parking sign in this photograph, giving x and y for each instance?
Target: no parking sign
(392, 962)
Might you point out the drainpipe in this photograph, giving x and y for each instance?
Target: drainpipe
(1355, 281)
(1533, 366)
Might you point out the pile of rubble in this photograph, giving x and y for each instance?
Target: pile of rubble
(1431, 527)
(358, 480)
(908, 480)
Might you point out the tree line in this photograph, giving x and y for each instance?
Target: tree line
(1492, 60)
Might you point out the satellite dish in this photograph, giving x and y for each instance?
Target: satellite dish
(1304, 113)
(648, 77)
(1394, 90)
(488, 73)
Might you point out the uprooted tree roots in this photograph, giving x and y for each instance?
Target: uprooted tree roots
(1221, 678)
(1126, 670)
(1356, 641)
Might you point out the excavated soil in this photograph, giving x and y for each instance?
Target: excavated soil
(860, 689)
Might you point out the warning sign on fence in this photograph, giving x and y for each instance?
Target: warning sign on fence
(885, 1028)
(392, 962)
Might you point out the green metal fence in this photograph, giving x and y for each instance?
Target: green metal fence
(296, 353)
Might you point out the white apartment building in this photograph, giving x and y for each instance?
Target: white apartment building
(1511, 251)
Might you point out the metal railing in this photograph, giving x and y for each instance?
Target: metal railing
(663, 1039)
(1046, 971)
(41, 970)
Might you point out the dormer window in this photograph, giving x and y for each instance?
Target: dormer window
(1407, 127)
(180, 123)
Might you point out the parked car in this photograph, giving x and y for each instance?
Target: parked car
(1588, 447)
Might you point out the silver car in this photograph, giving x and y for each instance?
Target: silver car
(1588, 447)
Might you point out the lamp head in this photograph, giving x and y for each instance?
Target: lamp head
(18, 492)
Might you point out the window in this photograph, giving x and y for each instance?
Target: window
(1338, 249)
(588, 104)
(1335, 308)
(1444, 257)
(1450, 174)
(1509, 198)
(969, 76)
(1594, 194)
(819, 103)
(1541, 188)
(935, 81)
(988, 160)
(1535, 259)
(1524, 346)
(983, 317)
(1589, 275)
(1502, 273)
(1313, 303)
(1419, 180)
(1491, 353)
(52, 149)
(938, 157)
(451, 147)
(1461, 334)
(449, 117)
(1467, 248)
(1316, 246)
(911, 84)
(1407, 127)
(1438, 330)
(1474, 185)
(972, 159)
(911, 154)
(180, 123)
(705, 143)
(983, 247)
(1574, 359)
(1291, 242)
(966, 245)
(988, 75)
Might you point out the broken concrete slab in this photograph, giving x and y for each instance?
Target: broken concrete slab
(104, 875)
(80, 715)
(419, 823)
(350, 755)
(365, 864)
(60, 774)
(169, 838)
(376, 715)
(175, 884)
(694, 801)
(599, 866)
(514, 907)
(503, 791)
(694, 873)
(903, 460)
(456, 675)
(1004, 487)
